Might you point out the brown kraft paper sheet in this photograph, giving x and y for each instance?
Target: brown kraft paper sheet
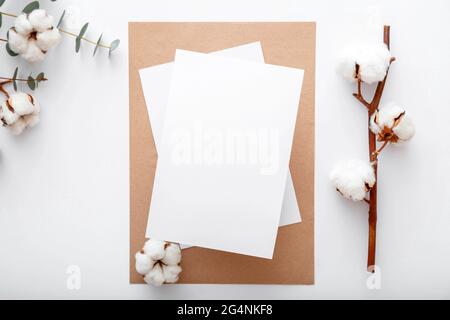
(290, 44)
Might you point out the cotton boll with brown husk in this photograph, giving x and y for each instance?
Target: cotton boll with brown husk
(33, 35)
(353, 179)
(159, 262)
(366, 62)
(391, 124)
(19, 112)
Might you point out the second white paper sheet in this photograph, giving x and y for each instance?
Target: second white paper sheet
(156, 87)
(224, 158)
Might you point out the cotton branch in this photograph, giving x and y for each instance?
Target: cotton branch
(387, 124)
(373, 154)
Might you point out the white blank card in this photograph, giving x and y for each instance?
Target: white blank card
(224, 158)
(156, 87)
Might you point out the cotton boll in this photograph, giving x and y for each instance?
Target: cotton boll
(405, 130)
(7, 114)
(48, 39)
(32, 120)
(19, 112)
(391, 124)
(155, 249)
(351, 186)
(159, 262)
(353, 179)
(346, 64)
(171, 273)
(33, 53)
(143, 263)
(367, 62)
(155, 276)
(18, 127)
(17, 42)
(22, 103)
(172, 255)
(385, 117)
(23, 25)
(33, 35)
(37, 106)
(371, 71)
(40, 20)
(373, 61)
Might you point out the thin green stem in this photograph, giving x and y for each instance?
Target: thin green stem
(8, 14)
(22, 80)
(83, 38)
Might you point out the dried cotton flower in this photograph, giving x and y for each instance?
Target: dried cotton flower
(19, 111)
(159, 262)
(391, 124)
(33, 35)
(367, 62)
(353, 179)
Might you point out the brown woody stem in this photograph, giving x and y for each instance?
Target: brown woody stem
(373, 153)
(2, 90)
(359, 95)
(377, 153)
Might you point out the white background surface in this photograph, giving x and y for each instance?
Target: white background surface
(64, 187)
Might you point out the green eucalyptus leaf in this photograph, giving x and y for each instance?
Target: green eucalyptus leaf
(2, 2)
(31, 83)
(31, 7)
(114, 45)
(61, 19)
(14, 78)
(98, 44)
(40, 77)
(77, 44)
(80, 37)
(83, 30)
(10, 52)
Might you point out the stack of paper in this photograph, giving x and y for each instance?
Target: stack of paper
(223, 125)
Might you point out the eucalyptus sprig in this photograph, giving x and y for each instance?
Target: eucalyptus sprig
(31, 81)
(79, 37)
